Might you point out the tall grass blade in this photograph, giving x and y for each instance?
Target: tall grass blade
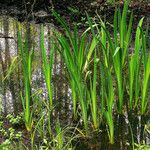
(27, 57)
(145, 86)
(93, 94)
(47, 67)
(138, 56)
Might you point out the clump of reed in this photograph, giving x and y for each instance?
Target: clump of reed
(47, 66)
(26, 57)
(120, 71)
(77, 54)
(103, 75)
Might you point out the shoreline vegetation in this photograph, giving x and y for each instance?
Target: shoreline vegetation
(105, 98)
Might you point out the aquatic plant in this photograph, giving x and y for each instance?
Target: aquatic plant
(59, 137)
(76, 77)
(93, 94)
(134, 68)
(106, 76)
(119, 49)
(109, 105)
(47, 66)
(27, 57)
(76, 56)
(145, 86)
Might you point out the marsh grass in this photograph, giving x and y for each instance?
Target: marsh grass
(145, 86)
(93, 95)
(77, 56)
(105, 78)
(111, 53)
(27, 57)
(47, 66)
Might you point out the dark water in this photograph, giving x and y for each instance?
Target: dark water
(128, 130)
